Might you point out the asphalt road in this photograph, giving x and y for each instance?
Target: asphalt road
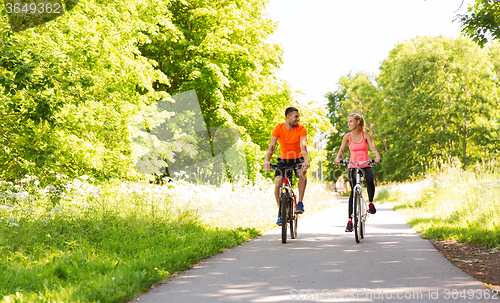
(325, 264)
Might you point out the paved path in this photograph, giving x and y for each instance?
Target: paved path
(325, 264)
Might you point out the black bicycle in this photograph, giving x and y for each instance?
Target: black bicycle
(288, 202)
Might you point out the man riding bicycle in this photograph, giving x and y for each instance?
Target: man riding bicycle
(292, 138)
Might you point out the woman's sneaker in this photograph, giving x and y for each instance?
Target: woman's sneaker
(348, 227)
(371, 208)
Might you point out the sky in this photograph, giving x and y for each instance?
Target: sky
(326, 39)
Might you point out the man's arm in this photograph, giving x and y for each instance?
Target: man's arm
(269, 154)
(303, 149)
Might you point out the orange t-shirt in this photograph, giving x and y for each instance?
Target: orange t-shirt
(289, 140)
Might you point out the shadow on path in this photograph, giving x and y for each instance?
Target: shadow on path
(325, 264)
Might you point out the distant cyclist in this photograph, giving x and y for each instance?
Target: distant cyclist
(292, 138)
(358, 141)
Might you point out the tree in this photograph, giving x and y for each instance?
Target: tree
(219, 49)
(440, 101)
(72, 85)
(482, 21)
(314, 118)
(355, 93)
(69, 87)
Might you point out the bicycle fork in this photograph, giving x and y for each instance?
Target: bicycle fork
(359, 191)
(364, 208)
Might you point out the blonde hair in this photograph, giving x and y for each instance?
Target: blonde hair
(360, 119)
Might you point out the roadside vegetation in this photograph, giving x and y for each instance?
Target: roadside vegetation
(76, 92)
(77, 241)
(451, 204)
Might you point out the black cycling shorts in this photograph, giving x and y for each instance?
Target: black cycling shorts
(287, 162)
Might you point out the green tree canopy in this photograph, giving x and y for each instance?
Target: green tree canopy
(217, 48)
(481, 23)
(355, 93)
(72, 85)
(440, 100)
(69, 86)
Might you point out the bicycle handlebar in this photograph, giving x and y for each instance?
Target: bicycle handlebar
(346, 162)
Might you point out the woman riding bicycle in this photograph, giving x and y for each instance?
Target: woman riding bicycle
(358, 142)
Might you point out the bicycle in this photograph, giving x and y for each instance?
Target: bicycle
(359, 204)
(288, 203)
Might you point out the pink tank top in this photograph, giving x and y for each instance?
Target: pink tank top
(359, 151)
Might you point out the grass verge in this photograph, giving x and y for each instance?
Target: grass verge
(98, 248)
(451, 204)
(80, 242)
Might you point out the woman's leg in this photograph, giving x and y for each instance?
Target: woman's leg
(370, 185)
(352, 181)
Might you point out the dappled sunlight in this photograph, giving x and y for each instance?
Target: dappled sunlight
(244, 204)
(391, 259)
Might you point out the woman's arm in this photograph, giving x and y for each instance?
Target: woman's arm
(369, 139)
(342, 148)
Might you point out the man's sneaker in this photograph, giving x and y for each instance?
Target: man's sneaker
(300, 207)
(348, 227)
(278, 222)
(371, 209)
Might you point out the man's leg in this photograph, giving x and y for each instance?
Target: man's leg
(278, 182)
(302, 190)
(302, 184)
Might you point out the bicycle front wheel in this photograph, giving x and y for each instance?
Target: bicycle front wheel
(284, 215)
(293, 219)
(357, 217)
(363, 221)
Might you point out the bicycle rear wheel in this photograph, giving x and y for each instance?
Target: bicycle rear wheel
(284, 215)
(357, 217)
(293, 219)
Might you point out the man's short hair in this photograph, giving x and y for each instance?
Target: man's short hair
(290, 110)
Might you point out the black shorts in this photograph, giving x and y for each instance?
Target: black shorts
(285, 163)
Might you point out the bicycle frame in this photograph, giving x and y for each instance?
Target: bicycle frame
(287, 188)
(359, 189)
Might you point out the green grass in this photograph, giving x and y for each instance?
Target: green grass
(100, 249)
(452, 204)
(79, 242)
